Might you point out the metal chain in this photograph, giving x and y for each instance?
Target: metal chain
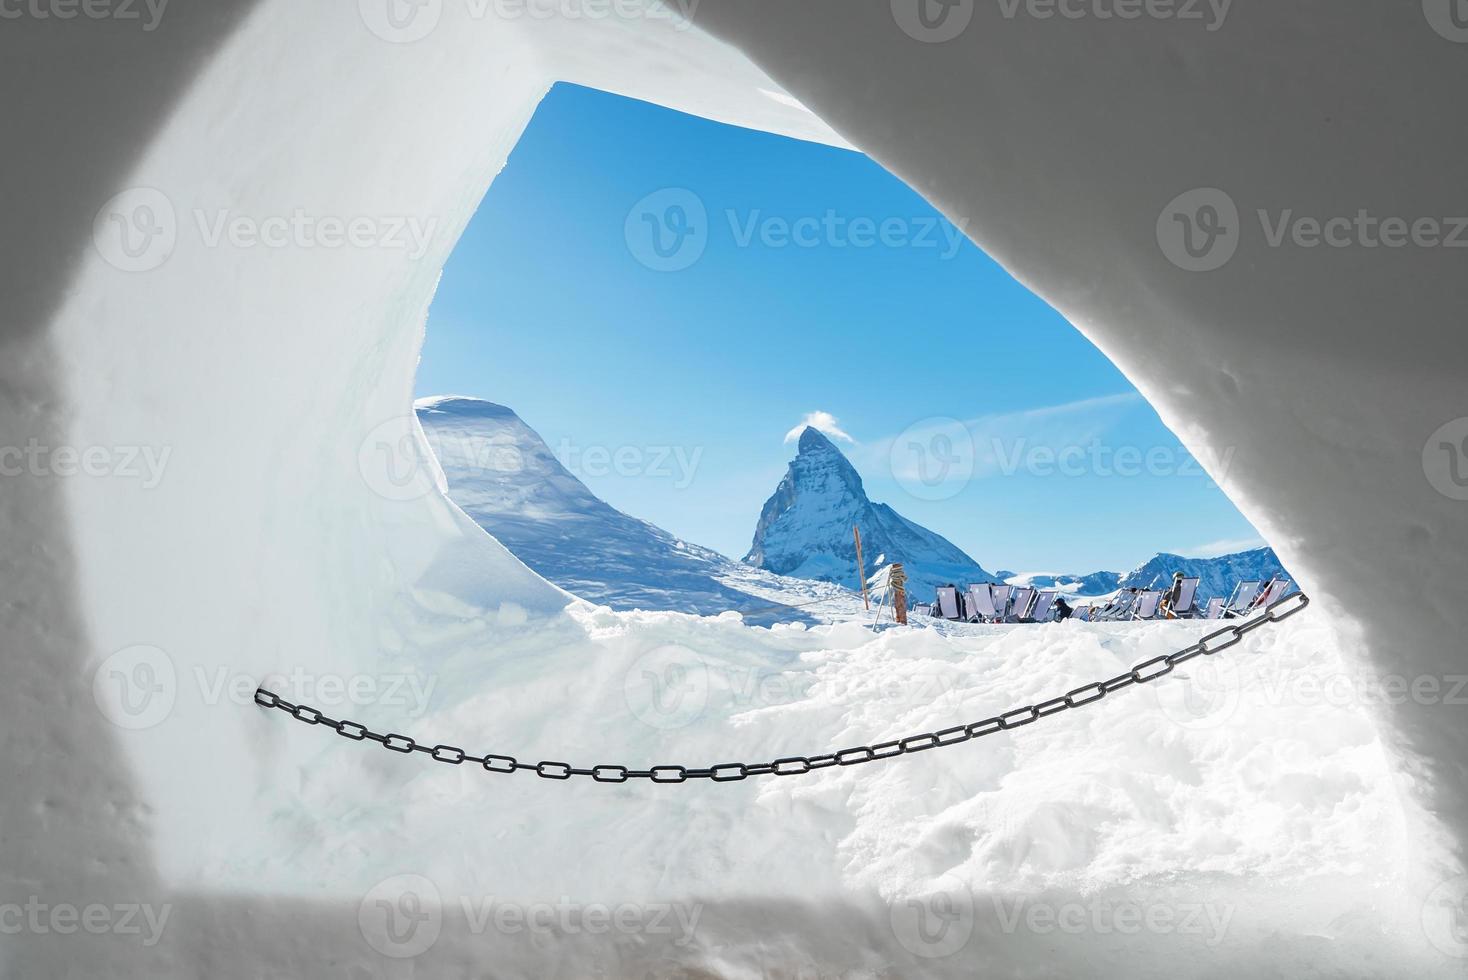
(725, 772)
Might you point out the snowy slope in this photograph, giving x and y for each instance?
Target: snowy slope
(804, 529)
(502, 474)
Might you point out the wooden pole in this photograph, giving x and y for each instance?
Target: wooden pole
(861, 569)
(899, 593)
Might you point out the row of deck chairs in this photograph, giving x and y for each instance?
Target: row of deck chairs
(1246, 598)
(1147, 603)
(1144, 604)
(990, 603)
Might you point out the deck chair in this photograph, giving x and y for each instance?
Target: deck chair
(1019, 607)
(982, 598)
(1215, 608)
(1272, 593)
(1187, 600)
(947, 603)
(1242, 599)
(1001, 601)
(1147, 602)
(1044, 606)
(1082, 614)
(1120, 607)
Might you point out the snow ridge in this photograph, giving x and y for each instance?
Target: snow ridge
(502, 474)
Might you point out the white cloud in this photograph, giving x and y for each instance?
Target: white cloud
(990, 439)
(822, 422)
(1228, 546)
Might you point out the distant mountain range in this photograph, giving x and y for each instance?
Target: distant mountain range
(804, 530)
(502, 474)
(1216, 576)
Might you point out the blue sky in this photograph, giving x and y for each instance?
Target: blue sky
(790, 281)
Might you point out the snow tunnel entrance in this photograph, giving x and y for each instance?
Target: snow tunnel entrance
(311, 567)
(703, 294)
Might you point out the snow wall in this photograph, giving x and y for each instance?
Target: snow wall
(273, 382)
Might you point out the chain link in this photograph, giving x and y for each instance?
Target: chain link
(726, 772)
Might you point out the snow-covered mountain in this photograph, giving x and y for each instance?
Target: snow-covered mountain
(1094, 584)
(502, 474)
(804, 529)
(1216, 576)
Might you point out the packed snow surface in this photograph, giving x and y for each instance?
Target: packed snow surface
(1242, 806)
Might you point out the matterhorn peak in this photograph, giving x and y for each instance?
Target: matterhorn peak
(805, 528)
